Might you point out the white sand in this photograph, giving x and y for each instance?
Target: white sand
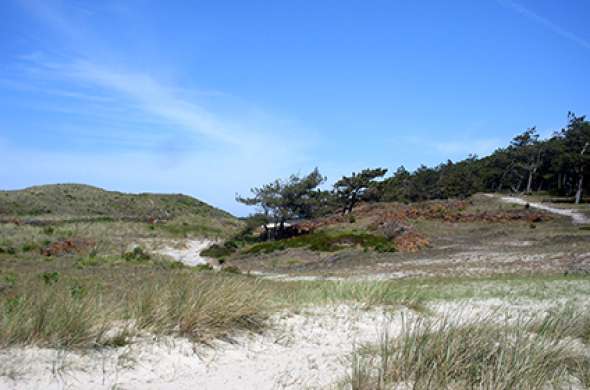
(189, 251)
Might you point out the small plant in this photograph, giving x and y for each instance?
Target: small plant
(10, 279)
(28, 247)
(77, 290)
(50, 278)
(351, 219)
(176, 265)
(231, 269)
(218, 251)
(203, 267)
(136, 255)
(10, 250)
(48, 230)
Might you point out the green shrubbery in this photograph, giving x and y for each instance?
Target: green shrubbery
(326, 242)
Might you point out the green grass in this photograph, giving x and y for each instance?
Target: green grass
(83, 200)
(326, 242)
(508, 288)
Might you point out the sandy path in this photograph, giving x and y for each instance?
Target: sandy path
(576, 216)
(189, 252)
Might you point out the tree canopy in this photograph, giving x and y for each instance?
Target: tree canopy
(557, 165)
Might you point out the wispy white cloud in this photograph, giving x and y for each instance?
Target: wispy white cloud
(188, 145)
(528, 13)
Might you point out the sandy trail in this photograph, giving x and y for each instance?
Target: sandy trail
(576, 216)
(189, 253)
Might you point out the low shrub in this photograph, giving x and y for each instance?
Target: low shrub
(322, 241)
(137, 255)
(50, 278)
(218, 251)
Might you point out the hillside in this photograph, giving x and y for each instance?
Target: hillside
(78, 200)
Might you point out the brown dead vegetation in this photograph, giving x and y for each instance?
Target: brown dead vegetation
(450, 211)
(67, 247)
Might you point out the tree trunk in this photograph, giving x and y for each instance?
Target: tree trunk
(579, 191)
(581, 178)
(529, 183)
(352, 202)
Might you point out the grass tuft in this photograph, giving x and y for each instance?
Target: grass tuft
(441, 354)
(55, 312)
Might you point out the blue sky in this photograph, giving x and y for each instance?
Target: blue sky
(211, 98)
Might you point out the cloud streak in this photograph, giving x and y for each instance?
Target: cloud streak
(526, 12)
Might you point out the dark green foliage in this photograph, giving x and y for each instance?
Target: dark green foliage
(28, 247)
(48, 230)
(220, 251)
(557, 165)
(281, 200)
(50, 278)
(326, 242)
(352, 189)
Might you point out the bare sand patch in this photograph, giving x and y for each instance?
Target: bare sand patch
(187, 252)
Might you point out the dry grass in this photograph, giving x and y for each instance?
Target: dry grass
(68, 314)
(478, 354)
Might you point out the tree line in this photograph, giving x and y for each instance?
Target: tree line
(557, 165)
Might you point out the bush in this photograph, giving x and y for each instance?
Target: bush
(50, 278)
(48, 230)
(136, 255)
(28, 247)
(218, 251)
